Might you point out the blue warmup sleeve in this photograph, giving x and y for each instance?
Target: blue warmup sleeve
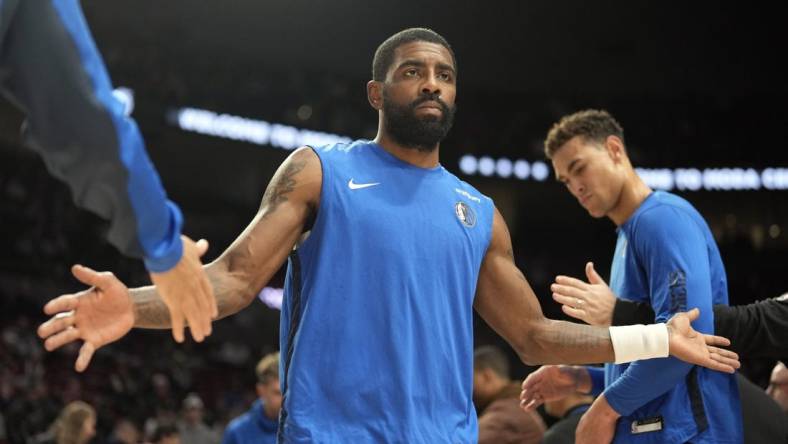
(597, 375)
(675, 257)
(54, 73)
(229, 437)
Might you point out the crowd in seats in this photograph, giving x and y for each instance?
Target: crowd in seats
(136, 386)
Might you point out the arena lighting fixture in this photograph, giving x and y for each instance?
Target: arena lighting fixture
(288, 137)
(272, 297)
(486, 166)
(682, 179)
(522, 169)
(254, 131)
(539, 171)
(504, 168)
(715, 179)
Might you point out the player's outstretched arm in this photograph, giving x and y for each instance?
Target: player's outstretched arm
(238, 275)
(506, 302)
(108, 310)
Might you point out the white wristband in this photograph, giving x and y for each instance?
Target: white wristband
(634, 342)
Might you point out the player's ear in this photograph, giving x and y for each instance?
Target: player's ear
(615, 148)
(375, 94)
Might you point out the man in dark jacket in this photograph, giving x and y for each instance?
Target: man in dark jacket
(497, 402)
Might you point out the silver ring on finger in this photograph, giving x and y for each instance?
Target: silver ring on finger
(67, 315)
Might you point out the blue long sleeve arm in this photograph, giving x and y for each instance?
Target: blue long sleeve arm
(675, 257)
(50, 68)
(597, 375)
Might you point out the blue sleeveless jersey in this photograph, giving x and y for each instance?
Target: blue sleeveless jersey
(377, 321)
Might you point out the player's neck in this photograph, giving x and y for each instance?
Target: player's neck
(634, 192)
(421, 159)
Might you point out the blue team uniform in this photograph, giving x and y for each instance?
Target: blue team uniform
(666, 256)
(253, 427)
(377, 322)
(51, 69)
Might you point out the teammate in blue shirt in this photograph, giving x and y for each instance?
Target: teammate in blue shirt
(52, 70)
(259, 424)
(666, 256)
(388, 254)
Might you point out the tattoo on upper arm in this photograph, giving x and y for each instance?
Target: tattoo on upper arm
(282, 185)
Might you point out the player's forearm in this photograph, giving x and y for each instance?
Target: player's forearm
(644, 381)
(149, 308)
(231, 292)
(560, 342)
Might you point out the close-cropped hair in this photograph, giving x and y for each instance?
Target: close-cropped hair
(592, 125)
(384, 55)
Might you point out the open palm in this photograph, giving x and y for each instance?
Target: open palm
(97, 316)
(691, 346)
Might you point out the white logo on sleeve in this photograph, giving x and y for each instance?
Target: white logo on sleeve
(468, 195)
(357, 186)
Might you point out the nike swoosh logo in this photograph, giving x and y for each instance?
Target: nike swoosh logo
(357, 186)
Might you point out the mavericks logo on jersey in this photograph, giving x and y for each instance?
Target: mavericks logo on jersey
(465, 214)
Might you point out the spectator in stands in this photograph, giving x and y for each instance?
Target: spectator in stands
(497, 401)
(778, 385)
(3, 434)
(125, 432)
(259, 424)
(76, 424)
(191, 428)
(166, 434)
(568, 411)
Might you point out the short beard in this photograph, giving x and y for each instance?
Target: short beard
(422, 134)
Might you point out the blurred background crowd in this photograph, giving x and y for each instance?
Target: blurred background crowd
(694, 87)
